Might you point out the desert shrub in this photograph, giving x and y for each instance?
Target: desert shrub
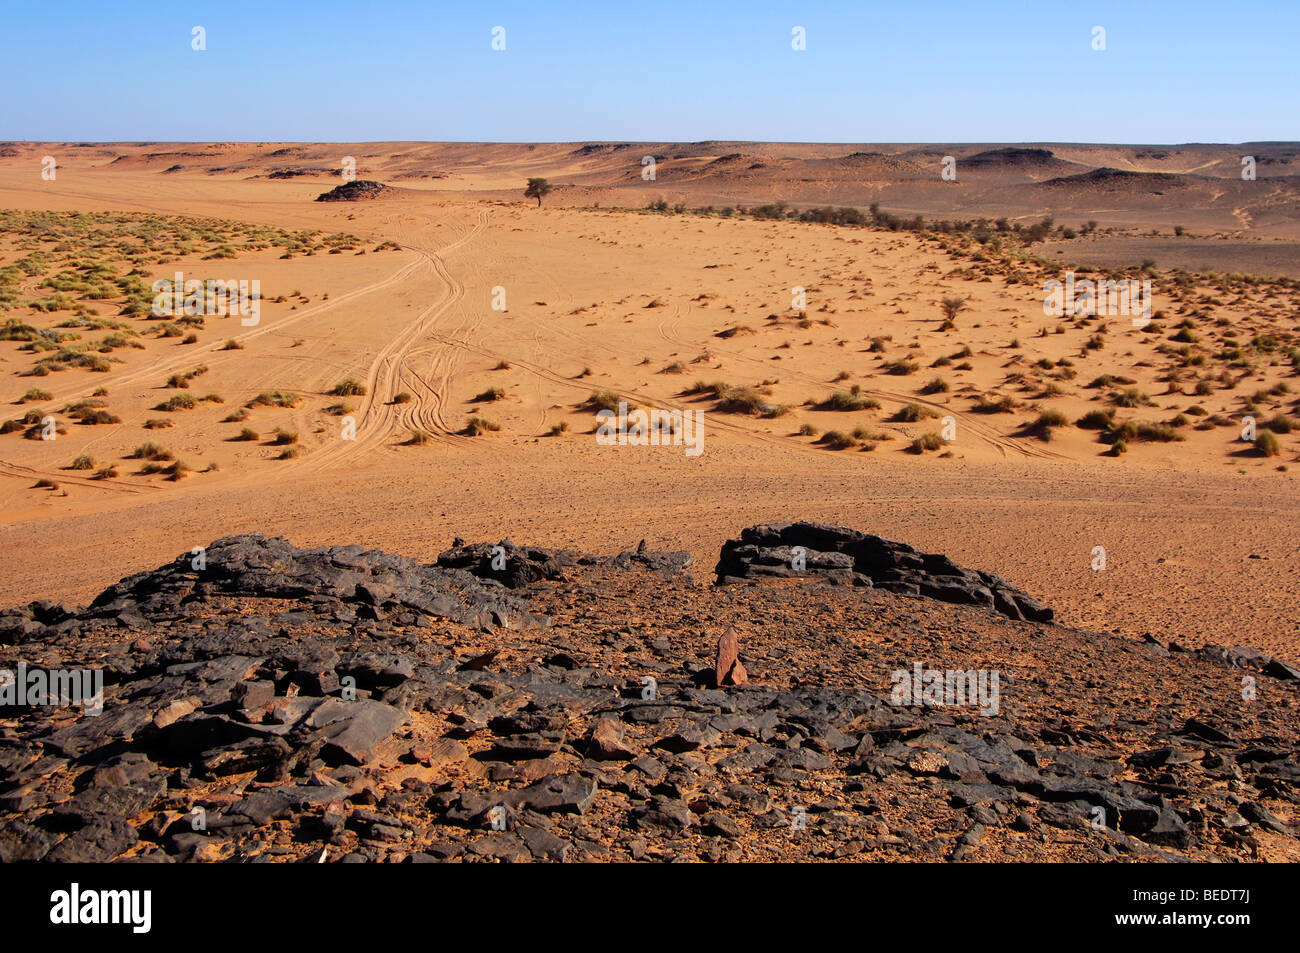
(67, 358)
(952, 306)
(158, 423)
(418, 438)
(183, 380)
(1108, 380)
(83, 462)
(348, 388)
(994, 404)
(1096, 420)
(106, 473)
(807, 430)
(560, 428)
(1130, 397)
(1047, 421)
(235, 416)
(246, 434)
(927, 441)
(283, 437)
(1267, 444)
(837, 440)
(477, 426)
(403, 398)
(83, 405)
(338, 410)
(1281, 423)
(491, 394)
(902, 367)
(93, 417)
(275, 398)
(911, 413)
(937, 385)
(15, 330)
(1152, 433)
(152, 451)
(178, 402)
(747, 400)
(848, 400)
(35, 394)
(604, 400)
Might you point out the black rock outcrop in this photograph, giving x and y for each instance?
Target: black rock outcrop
(837, 552)
(357, 191)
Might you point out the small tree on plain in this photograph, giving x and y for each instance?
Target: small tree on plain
(537, 188)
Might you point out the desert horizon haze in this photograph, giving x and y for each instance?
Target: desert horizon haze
(709, 433)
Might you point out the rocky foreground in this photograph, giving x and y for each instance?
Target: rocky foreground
(264, 702)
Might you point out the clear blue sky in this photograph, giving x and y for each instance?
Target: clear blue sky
(898, 71)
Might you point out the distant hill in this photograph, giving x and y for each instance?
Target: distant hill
(358, 191)
(1120, 180)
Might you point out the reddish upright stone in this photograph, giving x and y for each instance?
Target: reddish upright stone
(728, 670)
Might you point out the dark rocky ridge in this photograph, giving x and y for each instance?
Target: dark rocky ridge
(521, 565)
(350, 704)
(844, 554)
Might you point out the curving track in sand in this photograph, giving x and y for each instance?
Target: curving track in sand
(394, 371)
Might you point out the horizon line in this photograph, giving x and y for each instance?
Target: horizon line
(684, 142)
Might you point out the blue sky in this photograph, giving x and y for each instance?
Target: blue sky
(918, 71)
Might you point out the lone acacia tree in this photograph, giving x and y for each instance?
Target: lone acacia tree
(536, 189)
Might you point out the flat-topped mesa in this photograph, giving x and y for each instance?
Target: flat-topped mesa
(848, 555)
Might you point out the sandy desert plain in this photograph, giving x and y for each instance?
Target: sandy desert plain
(605, 298)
